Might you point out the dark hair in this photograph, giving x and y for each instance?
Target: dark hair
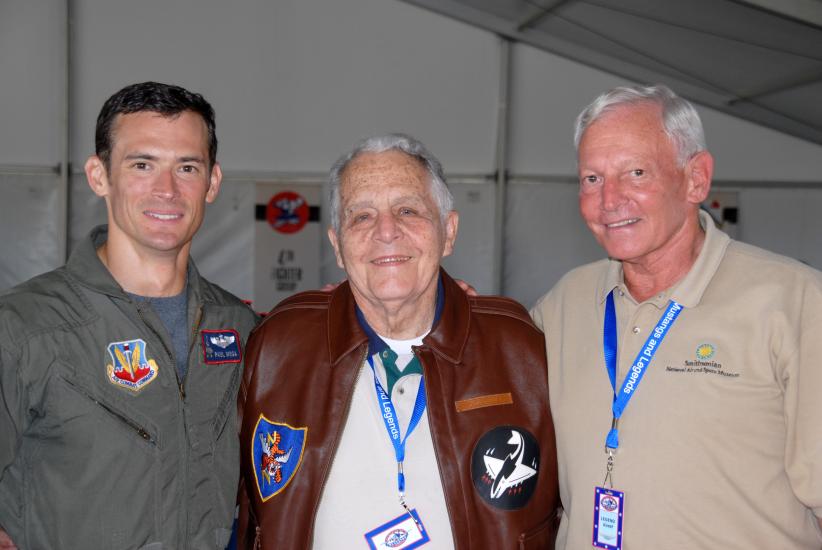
(165, 99)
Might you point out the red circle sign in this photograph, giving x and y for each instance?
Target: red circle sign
(287, 212)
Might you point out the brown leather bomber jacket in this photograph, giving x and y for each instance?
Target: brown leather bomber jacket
(484, 368)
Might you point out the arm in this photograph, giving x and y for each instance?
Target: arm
(10, 402)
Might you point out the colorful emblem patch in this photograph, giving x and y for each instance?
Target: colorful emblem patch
(221, 346)
(130, 366)
(505, 467)
(277, 452)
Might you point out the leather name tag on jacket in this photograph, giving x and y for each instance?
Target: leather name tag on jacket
(482, 401)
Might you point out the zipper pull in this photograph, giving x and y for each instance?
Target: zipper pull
(182, 391)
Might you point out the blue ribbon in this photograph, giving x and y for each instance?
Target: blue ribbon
(640, 364)
(392, 426)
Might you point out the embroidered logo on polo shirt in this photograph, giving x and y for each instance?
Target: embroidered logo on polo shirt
(705, 351)
(277, 452)
(707, 360)
(505, 467)
(221, 346)
(130, 367)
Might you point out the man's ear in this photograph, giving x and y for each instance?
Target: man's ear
(452, 221)
(332, 236)
(215, 180)
(699, 171)
(97, 175)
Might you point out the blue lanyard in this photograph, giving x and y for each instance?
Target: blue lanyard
(640, 364)
(389, 418)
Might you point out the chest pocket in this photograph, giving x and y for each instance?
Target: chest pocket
(96, 462)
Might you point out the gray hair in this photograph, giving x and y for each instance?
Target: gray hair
(379, 144)
(680, 120)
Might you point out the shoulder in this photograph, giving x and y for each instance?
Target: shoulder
(48, 302)
(498, 306)
(303, 308)
(753, 264)
(222, 298)
(501, 316)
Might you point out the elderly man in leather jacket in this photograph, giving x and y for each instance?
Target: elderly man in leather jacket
(396, 411)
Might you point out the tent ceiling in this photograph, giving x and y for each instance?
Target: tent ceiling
(760, 60)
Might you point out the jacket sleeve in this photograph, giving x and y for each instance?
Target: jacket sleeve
(13, 404)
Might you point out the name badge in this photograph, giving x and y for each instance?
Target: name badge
(608, 517)
(221, 346)
(400, 533)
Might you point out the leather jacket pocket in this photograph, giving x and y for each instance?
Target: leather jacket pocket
(541, 537)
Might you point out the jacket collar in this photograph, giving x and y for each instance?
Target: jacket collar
(85, 267)
(447, 337)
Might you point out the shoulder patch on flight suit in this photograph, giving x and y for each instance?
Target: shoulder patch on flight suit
(221, 346)
(505, 467)
(130, 367)
(277, 452)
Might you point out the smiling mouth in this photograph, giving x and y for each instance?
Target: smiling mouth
(391, 260)
(621, 223)
(162, 217)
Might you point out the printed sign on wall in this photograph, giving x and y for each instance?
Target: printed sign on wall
(287, 236)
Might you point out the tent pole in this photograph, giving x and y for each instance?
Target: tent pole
(501, 161)
(65, 138)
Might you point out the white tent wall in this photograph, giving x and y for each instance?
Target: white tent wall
(296, 82)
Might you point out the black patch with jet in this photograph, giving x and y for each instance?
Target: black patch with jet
(505, 467)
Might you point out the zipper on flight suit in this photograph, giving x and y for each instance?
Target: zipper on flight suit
(181, 403)
(142, 432)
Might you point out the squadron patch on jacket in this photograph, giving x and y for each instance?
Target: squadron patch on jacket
(130, 366)
(221, 346)
(277, 452)
(505, 467)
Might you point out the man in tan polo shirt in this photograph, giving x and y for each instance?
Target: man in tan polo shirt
(703, 433)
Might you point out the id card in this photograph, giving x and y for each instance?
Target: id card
(608, 516)
(399, 533)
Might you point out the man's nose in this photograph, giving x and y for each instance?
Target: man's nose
(166, 186)
(613, 193)
(387, 228)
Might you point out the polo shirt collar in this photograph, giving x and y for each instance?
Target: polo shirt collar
(375, 343)
(688, 292)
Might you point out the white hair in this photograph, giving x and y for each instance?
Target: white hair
(680, 120)
(379, 144)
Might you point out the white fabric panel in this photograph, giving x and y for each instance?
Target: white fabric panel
(473, 257)
(32, 49)
(548, 92)
(224, 246)
(786, 221)
(544, 238)
(296, 83)
(85, 209)
(27, 224)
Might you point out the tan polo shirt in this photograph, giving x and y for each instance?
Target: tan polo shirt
(721, 444)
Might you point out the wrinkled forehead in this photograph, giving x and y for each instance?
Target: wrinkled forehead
(371, 172)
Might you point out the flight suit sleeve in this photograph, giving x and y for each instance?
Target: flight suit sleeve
(13, 404)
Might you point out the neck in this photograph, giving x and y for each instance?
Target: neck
(400, 321)
(657, 273)
(145, 274)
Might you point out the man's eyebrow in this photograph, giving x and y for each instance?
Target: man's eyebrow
(199, 159)
(140, 156)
